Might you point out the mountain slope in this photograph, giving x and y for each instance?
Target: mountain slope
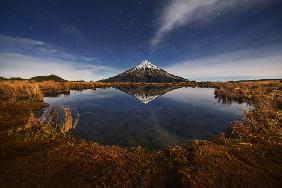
(145, 72)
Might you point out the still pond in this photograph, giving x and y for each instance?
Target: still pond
(151, 117)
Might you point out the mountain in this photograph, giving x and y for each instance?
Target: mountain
(145, 72)
(146, 94)
(16, 78)
(2, 78)
(46, 78)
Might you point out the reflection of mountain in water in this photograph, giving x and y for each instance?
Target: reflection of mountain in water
(146, 94)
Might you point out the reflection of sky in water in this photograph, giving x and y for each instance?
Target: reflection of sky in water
(109, 116)
(202, 97)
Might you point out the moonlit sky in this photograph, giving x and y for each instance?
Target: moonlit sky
(95, 39)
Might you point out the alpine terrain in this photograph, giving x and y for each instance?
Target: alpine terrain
(145, 72)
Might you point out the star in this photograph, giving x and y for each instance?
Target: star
(218, 12)
(217, 36)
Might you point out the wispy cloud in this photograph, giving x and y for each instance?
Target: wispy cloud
(178, 13)
(19, 40)
(242, 64)
(26, 66)
(20, 44)
(40, 48)
(25, 58)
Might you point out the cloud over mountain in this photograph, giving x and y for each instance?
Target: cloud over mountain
(177, 13)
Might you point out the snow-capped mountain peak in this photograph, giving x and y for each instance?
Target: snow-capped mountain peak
(145, 72)
(145, 64)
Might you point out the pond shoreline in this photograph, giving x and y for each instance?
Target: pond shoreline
(249, 155)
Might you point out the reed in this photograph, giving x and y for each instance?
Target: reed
(71, 120)
(63, 118)
(54, 123)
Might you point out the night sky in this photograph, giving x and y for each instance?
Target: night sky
(94, 39)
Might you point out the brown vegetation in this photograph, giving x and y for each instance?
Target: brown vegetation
(39, 153)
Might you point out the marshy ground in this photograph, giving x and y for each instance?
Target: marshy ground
(36, 153)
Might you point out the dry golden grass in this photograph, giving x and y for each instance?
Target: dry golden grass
(33, 90)
(19, 89)
(42, 154)
(263, 123)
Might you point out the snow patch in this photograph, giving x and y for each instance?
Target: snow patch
(145, 65)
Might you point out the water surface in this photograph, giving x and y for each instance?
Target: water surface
(152, 117)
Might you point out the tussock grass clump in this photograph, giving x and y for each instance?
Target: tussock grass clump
(20, 90)
(56, 121)
(263, 123)
(63, 118)
(14, 94)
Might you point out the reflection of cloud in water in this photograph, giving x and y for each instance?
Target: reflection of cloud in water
(165, 136)
(161, 135)
(203, 97)
(79, 96)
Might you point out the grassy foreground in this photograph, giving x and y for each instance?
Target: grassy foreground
(35, 153)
